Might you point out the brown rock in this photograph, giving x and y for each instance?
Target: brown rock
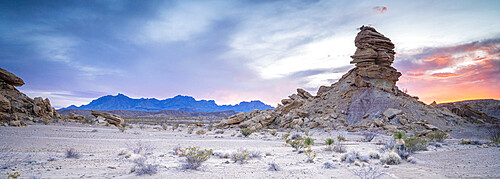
(10, 78)
(110, 118)
(4, 104)
(304, 94)
(286, 101)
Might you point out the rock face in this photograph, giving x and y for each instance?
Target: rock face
(110, 118)
(16, 108)
(476, 111)
(365, 97)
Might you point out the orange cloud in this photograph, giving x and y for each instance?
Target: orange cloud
(468, 76)
(379, 9)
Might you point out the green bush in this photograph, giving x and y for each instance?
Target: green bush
(240, 157)
(414, 143)
(308, 141)
(297, 143)
(399, 135)
(310, 155)
(195, 157)
(246, 132)
(285, 136)
(329, 141)
(496, 140)
(272, 132)
(437, 136)
(341, 138)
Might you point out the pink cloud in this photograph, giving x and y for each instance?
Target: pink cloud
(379, 9)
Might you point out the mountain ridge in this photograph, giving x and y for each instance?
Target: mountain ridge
(176, 103)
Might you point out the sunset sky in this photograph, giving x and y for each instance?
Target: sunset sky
(230, 51)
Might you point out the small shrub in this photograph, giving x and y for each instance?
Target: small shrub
(122, 129)
(390, 158)
(412, 160)
(308, 141)
(219, 132)
(414, 143)
(273, 132)
(339, 148)
(364, 158)
(329, 141)
(200, 132)
(494, 134)
(165, 127)
(71, 153)
(273, 167)
(349, 157)
(297, 144)
(399, 135)
(437, 136)
(310, 155)
(143, 168)
(175, 126)
(195, 157)
(176, 150)
(296, 136)
(368, 136)
(246, 132)
(388, 146)
(465, 142)
(190, 129)
(13, 175)
(240, 157)
(341, 137)
(285, 136)
(369, 172)
(329, 165)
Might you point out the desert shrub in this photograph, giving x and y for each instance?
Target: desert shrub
(190, 129)
(175, 126)
(414, 143)
(143, 168)
(176, 150)
(273, 132)
(339, 147)
(240, 157)
(437, 136)
(273, 167)
(364, 158)
(254, 154)
(71, 153)
(221, 154)
(246, 132)
(329, 165)
(200, 132)
(368, 136)
(465, 141)
(374, 155)
(390, 158)
(140, 148)
(341, 137)
(297, 144)
(165, 127)
(285, 136)
(399, 135)
(13, 175)
(412, 160)
(370, 172)
(296, 136)
(122, 128)
(349, 157)
(195, 157)
(388, 146)
(329, 141)
(494, 134)
(310, 155)
(308, 141)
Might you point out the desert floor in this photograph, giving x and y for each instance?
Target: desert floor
(40, 151)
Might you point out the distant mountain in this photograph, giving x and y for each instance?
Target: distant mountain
(123, 113)
(177, 103)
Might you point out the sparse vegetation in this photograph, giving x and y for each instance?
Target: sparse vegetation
(374, 155)
(349, 157)
(390, 158)
(297, 143)
(13, 175)
(399, 135)
(246, 132)
(310, 155)
(414, 143)
(273, 132)
(240, 157)
(195, 157)
(369, 172)
(285, 136)
(200, 132)
(437, 136)
(143, 168)
(339, 147)
(494, 134)
(71, 153)
(8, 159)
(308, 141)
(329, 141)
(341, 137)
(328, 165)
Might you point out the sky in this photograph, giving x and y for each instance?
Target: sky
(231, 51)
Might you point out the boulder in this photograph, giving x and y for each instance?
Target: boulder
(304, 94)
(391, 113)
(4, 104)
(10, 78)
(110, 118)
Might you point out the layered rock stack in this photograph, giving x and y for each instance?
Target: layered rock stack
(108, 118)
(373, 58)
(366, 97)
(16, 108)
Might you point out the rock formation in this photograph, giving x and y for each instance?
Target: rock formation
(16, 108)
(475, 111)
(365, 97)
(109, 118)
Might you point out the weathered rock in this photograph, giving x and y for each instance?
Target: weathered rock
(4, 104)
(391, 112)
(110, 118)
(9, 78)
(369, 88)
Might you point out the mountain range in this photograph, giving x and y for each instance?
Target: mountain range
(177, 103)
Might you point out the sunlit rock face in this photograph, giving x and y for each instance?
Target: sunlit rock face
(16, 108)
(366, 97)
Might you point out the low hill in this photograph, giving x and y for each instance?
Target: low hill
(124, 113)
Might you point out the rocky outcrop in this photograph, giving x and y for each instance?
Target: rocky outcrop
(16, 108)
(109, 118)
(476, 111)
(365, 97)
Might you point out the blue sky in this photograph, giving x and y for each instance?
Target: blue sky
(232, 51)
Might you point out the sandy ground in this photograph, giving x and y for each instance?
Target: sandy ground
(42, 150)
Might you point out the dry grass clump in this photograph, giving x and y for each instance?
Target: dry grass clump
(246, 132)
(143, 168)
(71, 153)
(273, 167)
(195, 157)
(437, 136)
(390, 158)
